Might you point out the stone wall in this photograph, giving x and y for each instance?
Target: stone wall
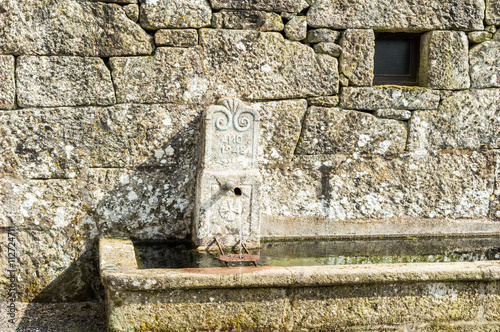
(100, 105)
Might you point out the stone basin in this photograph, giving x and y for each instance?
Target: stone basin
(461, 296)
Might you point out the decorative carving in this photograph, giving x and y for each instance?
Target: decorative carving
(236, 112)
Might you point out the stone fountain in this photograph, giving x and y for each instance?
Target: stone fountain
(278, 298)
(228, 183)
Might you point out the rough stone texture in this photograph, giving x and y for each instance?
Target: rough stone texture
(477, 37)
(175, 14)
(79, 28)
(132, 12)
(443, 60)
(247, 20)
(333, 130)
(296, 28)
(262, 65)
(176, 38)
(118, 1)
(322, 36)
(491, 28)
(328, 48)
(325, 101)
(63, 81)
(485, 65)
(393, 114)
(144, 204)
(280, 127)
(171, 75)
(492, 12)
(292, 6)
(52, 143)
(464, 120)
(355, 188)
(7, 85)
(357, 58)
(397, 15)
(403, 98)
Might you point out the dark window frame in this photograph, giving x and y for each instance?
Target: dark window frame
(414, 61)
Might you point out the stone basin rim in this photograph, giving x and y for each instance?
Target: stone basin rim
(119, 271)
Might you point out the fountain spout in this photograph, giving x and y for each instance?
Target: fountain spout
(228, 181)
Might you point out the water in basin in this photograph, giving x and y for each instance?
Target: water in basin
(170, 254)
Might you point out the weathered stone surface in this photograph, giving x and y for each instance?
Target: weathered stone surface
(464, 120)
(171, 75)
(118, 1)
(443, 60)
(280, 126)
(357, 58)
(454, 186)
(492, 12)
(262, 65)
(54, 266)
(291, 6)
(69, 27)
(63, 81)
(247, 20)
(397, 15)
(485, 65)
(175, 14)
(322, 36)
(393, 114)
(495, 198)
(328, 48)
(296, 28)
(325, 101)
(7, 85)
(403, 98)
(491, 28)
(333, 130)
(176, 38)
(55, 143)
(144, 204)
(43, 204)
(132, 12)
(449, 185)
(477, 37)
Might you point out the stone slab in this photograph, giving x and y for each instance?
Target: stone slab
(82, 28)
(331, 49)
(171, 75)
(333, 130)
(464, 120)
(296, 28)
(342, 188)
(53, 266)
(176, 38)
(280, 127)
(8, 85)
(132, 12)
(357, 57)
(477, 37)
(400, 15)
(148, 204)
(325, 101)
(485, 65)
(175, 14)
(63, 81)
(402, 115)
(403, 98)
(444, 60)
(492, 12)
(291, 6)
(247, 20)
(322, 36)
(263, 65)
(55, 143)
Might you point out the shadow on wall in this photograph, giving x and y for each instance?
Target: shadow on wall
(150, 199)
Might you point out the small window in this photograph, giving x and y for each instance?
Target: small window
(396, 58)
